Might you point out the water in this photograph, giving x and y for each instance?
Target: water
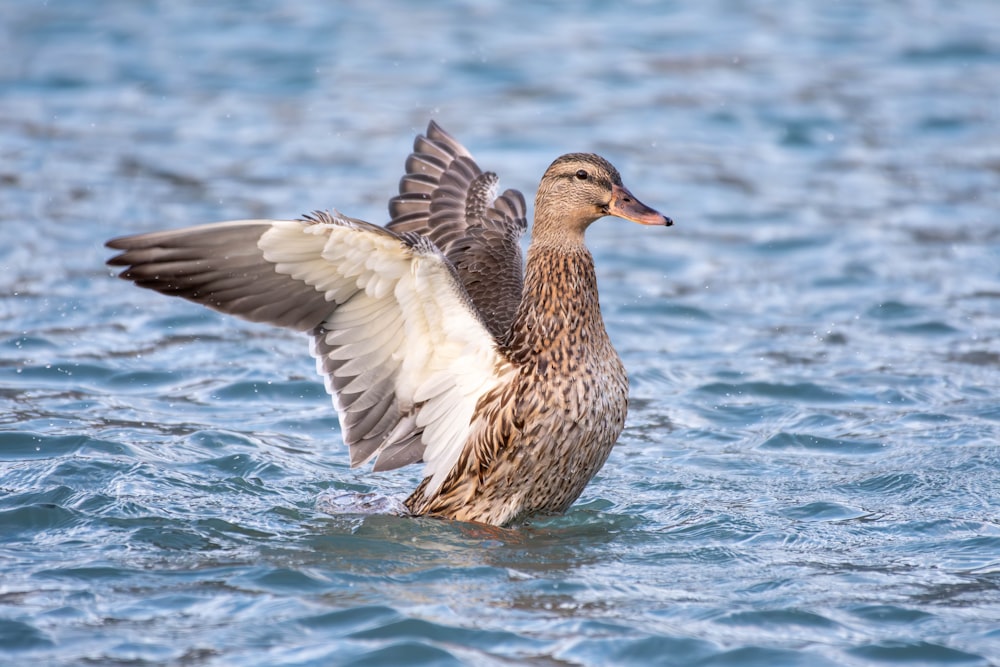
(809, 475)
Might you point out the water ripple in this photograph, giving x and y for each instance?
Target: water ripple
(808, 474)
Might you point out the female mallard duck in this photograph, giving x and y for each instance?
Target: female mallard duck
(433, 342)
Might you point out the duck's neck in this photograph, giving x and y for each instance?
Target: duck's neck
(559, 304)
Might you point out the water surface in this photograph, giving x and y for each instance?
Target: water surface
(809, 475)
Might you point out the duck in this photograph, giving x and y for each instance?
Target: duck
(437, 342)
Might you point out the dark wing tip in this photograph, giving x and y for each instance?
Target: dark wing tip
(436, 132)
(128, 245)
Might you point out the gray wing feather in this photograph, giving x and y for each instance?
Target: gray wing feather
(220, 266)
(446, 197)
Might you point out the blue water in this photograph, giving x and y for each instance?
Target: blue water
(810, 474)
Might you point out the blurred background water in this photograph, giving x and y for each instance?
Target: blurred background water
(810, 474)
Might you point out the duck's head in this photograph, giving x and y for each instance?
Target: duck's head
(579, 188)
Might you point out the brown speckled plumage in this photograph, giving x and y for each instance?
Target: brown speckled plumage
(547, 432)
(431, 342)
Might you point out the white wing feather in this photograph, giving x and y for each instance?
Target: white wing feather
(403, 338)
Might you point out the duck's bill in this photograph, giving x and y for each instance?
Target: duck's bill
(625, 205)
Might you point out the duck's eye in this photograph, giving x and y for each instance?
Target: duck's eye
(582, 174)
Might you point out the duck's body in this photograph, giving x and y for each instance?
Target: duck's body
(542, 434)
(433, 345)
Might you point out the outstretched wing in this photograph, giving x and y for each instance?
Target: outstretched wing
(446, 197)
(404, 353)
